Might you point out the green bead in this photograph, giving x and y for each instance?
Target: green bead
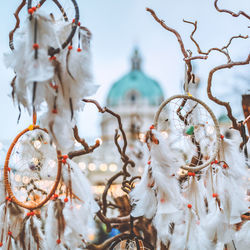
(190, 130)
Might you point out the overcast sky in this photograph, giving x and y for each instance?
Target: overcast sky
(118, 26)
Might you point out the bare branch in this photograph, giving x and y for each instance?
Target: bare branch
(212, 49)
(214, 99)
(105, 192)
(230, 12)
(87, 149)
(178, 36)
(11, 34)
(234, 37)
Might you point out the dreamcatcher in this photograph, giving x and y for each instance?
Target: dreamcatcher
(51, 61)
(198, 158)
(42, 184)
(130, 241)
(193, 128)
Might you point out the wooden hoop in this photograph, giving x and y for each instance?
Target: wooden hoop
(217, 129)
(6, 177)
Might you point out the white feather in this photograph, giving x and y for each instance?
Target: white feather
(242, 240)
(81, 187)
(143, 199)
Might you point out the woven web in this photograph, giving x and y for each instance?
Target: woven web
(130, 244)
(191, 129)
(33, 167)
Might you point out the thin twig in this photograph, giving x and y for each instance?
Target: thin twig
(235, 124)
(222, 50)
(87, 149)
(11, 34)
(230, 12)
(178, 36)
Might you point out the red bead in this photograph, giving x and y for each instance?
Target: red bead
(215, 161)
(79, 49)
(30, 11)
(162, 200)
(73, 20)
(54, 111)
(9, 199)
(70, 47)
(222, 137)
(190, 174)
(34, 8)
(64, 158)
(79, 24)
(215, 195)
(6, 198)
(189, 206)
(66, 199)
(58, 241)
(31, 213)
(35, 46)
(224, 166)
(1, 244)
(52, 58)
(10, 233)
(9, 169)
(193, 174)
(55, 195)
(152, 127)
(149, 162)
(53, 86)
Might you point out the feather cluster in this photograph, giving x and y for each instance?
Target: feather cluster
(53, 86)
(202, 213)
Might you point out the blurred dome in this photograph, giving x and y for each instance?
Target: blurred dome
(135, 87)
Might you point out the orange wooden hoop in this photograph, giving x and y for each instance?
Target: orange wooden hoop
(6, 177)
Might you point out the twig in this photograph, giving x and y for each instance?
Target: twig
(214, 99)
(105, 192)
(178, 36)
(11, 34)
(230, 12)
(87, 149)
(122, 151)
(246, 120)
(222, 50)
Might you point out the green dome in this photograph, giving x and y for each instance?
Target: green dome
(134, 86)
(224, 119)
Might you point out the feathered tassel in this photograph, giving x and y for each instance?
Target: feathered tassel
(143, 199)
(242, 240)
(79, 224)
(31, 236)
(55, 225)
(163, 200)
(80, 186)
(3, 223)
(195, 237)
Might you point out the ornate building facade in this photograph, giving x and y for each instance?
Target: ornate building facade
(136, 98)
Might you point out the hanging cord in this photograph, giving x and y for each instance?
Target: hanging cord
(244, 138)
(35, 57)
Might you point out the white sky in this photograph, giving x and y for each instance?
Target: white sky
(118, 26)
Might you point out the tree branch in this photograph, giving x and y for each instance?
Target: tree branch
(87, 149)
(11, 34)
(214, 99)
(230, 12)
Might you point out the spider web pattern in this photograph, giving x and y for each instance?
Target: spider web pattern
(33, 164)
(130, 244)
(191, 129)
